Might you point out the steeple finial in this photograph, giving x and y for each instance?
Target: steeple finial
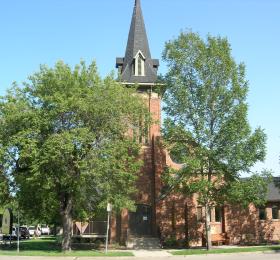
(137, 38)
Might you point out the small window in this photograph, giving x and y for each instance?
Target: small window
(120, 69)
(139, 64)
(199, 214)
(262, 214)
(218, 214)
(275, 212)
(210, 214)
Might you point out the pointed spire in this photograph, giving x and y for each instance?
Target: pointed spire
(137, 41)
(137, 38)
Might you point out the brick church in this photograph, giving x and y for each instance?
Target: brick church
(173, 215)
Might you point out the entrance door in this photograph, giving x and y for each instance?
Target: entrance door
(140, 221)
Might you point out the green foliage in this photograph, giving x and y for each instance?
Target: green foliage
(4, 190)
(170, 242)
(65, 134)
(206, 104)
(206, 125)
(252, 189)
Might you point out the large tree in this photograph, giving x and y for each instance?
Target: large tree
(4, 190)
(206, 122)
(66, 142)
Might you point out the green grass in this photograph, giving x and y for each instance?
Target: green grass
(49, 247)
(225, 250)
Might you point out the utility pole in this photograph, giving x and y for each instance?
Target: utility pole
(109, 209)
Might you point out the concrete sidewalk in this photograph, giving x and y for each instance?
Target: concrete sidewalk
(151, 253)
(159, 255)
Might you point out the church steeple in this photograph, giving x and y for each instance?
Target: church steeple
(137, 66)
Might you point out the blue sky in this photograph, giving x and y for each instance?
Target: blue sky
(34, 32)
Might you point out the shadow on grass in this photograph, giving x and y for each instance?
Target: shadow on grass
(42, 244)
(275, 249)
(50, 247)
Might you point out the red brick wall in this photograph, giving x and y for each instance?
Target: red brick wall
(244, 225)
(241, 225)
(146, 178)
(175, 215)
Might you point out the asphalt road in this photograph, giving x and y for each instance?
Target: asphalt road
(239, 256)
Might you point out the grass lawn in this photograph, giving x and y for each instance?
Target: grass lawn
(49, 247)
(225, 250)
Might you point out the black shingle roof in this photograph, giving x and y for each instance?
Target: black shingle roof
(137, 40)
(273, 193)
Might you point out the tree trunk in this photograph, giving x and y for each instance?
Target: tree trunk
(66, 215)
(208, 211)
(187, 238)
(208, 227)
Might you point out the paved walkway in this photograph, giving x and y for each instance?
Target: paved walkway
(151, 253)
(159, 255)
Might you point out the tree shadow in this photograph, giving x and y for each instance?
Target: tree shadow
(179, 227)
(52, 245)
(245, 228)
(47, 245)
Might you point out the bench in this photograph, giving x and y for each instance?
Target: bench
(219, 239)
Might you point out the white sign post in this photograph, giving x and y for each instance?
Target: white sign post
(18, 233)
(109, 209)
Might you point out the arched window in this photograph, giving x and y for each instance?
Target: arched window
(139, 64)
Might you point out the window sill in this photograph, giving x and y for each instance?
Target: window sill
(273, 220)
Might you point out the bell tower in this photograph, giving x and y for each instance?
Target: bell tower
(137, 66)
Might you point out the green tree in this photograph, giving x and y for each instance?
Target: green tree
(247, 190)
(66, 142)
(4, 190)
(206, 123)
